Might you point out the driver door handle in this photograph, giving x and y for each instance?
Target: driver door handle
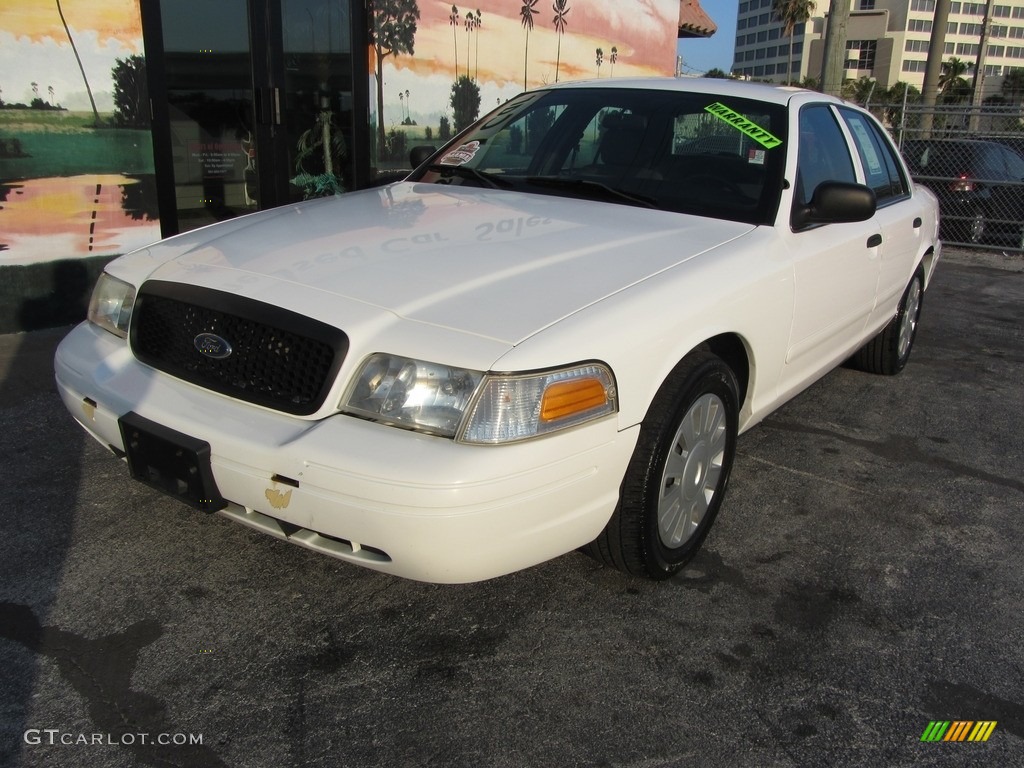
(874, 241)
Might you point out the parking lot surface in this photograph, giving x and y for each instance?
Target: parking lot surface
(865, 578)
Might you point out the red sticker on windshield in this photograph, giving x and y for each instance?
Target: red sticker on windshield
(461, 155)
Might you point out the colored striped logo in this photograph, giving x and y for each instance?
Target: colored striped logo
(958, 730)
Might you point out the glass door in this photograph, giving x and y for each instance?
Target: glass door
(316, 93)
(252, 104)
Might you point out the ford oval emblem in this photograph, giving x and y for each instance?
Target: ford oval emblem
(212, 345)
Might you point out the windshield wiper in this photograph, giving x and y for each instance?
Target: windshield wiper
(488, 179)
(593, 189)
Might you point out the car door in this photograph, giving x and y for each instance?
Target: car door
(835, 267)
(1007, 202)
(899, 217)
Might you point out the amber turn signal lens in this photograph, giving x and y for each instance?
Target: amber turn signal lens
(567, 398)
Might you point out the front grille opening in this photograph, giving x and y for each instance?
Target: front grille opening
(277, 358)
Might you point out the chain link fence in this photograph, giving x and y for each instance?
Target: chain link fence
(972, 158)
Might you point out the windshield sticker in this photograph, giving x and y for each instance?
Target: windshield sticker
(741, 124)
(755, 156)
(461, 155)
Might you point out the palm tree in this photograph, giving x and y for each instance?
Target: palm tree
(952, 83)
(526, 13)
(95, 112)
(453, 20)
(612, 59)
(561, 9)
(792, 13)
(1013, 85)
(600, 59)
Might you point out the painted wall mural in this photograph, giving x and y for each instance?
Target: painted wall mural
(436, 66)
(76, 159)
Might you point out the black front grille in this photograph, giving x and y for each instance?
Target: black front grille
(278, 359)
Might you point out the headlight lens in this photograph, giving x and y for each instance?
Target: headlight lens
(474, 407)
(412, 393)
(521, 406)
(111, 305)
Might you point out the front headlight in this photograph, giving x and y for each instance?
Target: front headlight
(474, 407)
(412, 393)
(111, 305)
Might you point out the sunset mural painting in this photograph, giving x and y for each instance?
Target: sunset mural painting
(76, 160)
(442, 59)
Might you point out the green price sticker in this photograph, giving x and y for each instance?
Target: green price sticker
(741, 124)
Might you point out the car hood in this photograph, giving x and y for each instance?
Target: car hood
(494, 263)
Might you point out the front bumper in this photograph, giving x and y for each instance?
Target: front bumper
(400, 502)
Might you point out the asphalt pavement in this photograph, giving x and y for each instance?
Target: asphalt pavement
(864, 579)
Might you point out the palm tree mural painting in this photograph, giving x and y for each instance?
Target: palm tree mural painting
(526, 13)
(792, 13)
(453, 20)
(393, 31)
(470, 26)
(612, 59)
(92, 101)
(561, 9)
(478, 22)
(600, 60)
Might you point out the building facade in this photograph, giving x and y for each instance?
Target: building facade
(886, 39)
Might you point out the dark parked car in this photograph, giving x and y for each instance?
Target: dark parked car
(980, 186)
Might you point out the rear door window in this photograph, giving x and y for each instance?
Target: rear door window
(882, 171)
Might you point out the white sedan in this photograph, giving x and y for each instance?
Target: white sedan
(548, 337)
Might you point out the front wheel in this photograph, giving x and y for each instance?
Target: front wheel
(678, 474)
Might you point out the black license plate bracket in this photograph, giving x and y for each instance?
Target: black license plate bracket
(170, 461)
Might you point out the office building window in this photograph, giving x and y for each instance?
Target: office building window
(860, 54)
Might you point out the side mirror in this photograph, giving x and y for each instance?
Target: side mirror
(420, 154)
(835, 202)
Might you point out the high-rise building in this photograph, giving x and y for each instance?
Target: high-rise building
(885, 39)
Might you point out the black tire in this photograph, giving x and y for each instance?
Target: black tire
(703, 392)
(888, 352)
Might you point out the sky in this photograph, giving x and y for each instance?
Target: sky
(716, 51)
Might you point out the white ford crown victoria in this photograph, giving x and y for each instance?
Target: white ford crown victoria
(546, 338)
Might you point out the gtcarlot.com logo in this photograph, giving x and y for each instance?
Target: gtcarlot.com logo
(958, 730)
(55, 736)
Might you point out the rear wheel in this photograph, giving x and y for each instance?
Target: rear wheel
(888, 352)
(677, 477)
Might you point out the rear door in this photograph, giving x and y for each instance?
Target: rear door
(898, 216)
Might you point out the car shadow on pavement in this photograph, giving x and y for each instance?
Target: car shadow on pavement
(36, 516)
(37, 644)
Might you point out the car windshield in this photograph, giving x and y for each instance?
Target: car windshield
(671, 150)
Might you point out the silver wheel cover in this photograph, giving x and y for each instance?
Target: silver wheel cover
(909, 320)
(692, 470)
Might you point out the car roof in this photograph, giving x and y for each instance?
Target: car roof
(719, 87)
